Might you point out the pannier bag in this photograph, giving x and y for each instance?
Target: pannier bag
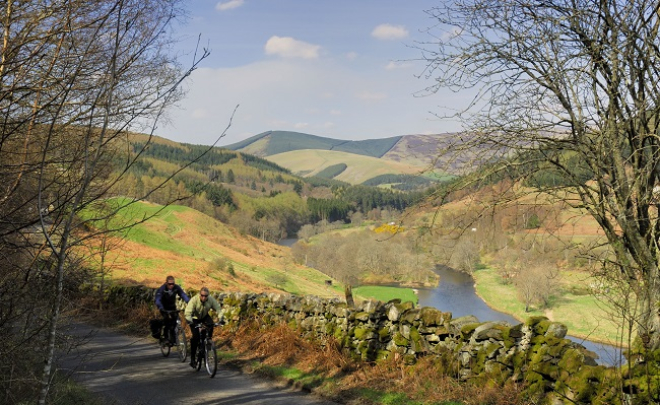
(156, 325)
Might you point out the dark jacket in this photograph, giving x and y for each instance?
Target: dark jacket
(166, 298)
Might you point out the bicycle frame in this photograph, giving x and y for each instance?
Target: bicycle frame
(206, 351)
(180, 341)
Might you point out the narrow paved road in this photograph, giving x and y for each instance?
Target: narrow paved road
(126, 370)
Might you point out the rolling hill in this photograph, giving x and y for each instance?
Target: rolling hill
(359, 168)
(275, 142)
(406, 154)
(199, 250)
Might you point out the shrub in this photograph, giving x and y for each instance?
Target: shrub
(220, 263)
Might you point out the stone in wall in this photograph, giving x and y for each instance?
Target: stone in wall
(535, 352)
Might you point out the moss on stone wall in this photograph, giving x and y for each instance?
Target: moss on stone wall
(534, 351)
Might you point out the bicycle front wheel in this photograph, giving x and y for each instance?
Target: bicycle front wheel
(165, 347)
(181, 344)
(200, 356)
(211, 358)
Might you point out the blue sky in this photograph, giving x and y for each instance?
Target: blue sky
(343, 69)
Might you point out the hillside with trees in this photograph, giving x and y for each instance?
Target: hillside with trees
(254, 195)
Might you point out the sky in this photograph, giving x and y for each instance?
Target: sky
(345, 69)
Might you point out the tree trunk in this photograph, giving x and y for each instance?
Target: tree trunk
(52, 333)
(649, 332)
(348, 292)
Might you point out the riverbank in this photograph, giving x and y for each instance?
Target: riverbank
(584, 315)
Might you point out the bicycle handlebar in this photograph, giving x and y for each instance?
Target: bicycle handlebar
(203, 325)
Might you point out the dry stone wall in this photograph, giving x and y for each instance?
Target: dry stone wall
(535, 352)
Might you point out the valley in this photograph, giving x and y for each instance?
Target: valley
(519, 171)
(264, 202)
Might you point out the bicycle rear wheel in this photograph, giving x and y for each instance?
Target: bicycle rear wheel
(211, 358)
(181, 343)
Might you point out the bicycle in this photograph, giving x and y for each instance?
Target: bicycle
(206, 351)
(180, 341)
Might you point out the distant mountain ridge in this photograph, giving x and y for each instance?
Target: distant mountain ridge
(273, 142)
(418, 153)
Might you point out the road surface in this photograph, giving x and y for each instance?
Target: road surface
(127, 370)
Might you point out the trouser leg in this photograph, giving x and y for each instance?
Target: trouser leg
(208, 321)
(194, 342)
(173, 317)
(169, 320)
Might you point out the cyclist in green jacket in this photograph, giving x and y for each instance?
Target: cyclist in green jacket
(197, 311)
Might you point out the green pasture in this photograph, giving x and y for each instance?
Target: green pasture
(136, 221)
(584, 315)
(386, 293)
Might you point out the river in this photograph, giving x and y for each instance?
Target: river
(456, 294)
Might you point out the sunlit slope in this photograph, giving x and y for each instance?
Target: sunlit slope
(198, 250)
(559, 242)
(360, 168)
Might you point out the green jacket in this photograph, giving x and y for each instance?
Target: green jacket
(197, 309)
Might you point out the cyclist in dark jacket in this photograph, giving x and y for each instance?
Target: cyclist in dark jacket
(166, 303)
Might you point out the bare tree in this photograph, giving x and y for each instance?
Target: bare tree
(76, 79)
(102, 249)
(465, 255)
(568, 89)
(306, 232)
(535, 283)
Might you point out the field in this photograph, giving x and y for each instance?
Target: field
(559, 244)
(584, 315)
(199, 250)
(360, 168)
(385, 293)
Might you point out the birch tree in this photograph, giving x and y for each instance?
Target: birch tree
(76, 79)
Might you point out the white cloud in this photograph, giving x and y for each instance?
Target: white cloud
(371, 96)
(228, 5)
(288, 47)
(279, 94)
(389, 31)
(398, 65)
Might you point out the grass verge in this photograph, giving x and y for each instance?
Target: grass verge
(322, 367)
(66, 392)
(385, 293)
(584, 315)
